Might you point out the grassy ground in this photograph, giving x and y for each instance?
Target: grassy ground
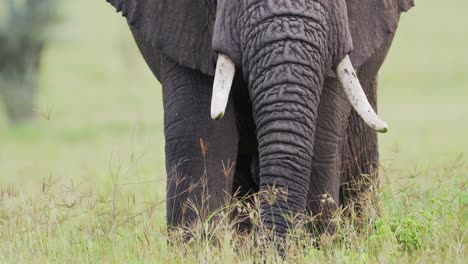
(86, 182)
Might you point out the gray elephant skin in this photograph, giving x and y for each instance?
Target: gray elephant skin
(288, 126)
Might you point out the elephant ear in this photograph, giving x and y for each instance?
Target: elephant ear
(372, 22)
(179, 29)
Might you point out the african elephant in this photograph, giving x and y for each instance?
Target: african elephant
(267, 85)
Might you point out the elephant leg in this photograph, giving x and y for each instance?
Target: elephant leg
(200, 152)
(360, 158)
(246, 178)
(244, 188)
(359, 172)
(323, 197)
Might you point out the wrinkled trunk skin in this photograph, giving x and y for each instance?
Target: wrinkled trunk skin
(287, 58)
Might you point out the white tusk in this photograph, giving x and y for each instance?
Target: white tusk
(356, 96)
(224, 76)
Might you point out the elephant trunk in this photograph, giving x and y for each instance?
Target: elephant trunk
(284, 50)
(285, 83)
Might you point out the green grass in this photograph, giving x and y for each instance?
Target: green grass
(86, 182)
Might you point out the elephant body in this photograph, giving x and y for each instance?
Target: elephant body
(288, 131)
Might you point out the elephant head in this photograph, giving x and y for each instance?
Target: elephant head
(284, 51)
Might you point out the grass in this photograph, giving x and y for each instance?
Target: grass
(86, 182)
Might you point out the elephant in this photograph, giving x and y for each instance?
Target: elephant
(267, 97)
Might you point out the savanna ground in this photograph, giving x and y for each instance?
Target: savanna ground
(86, 181)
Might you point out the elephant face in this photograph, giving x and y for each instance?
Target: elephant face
(285, 49)
(183, 29)
(247, 30)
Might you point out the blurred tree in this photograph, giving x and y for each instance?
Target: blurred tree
(23, 25)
